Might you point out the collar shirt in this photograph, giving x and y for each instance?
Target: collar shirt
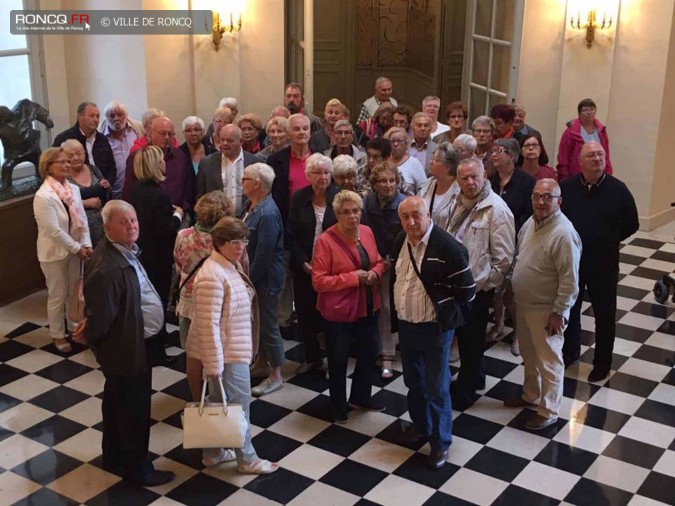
(89, 145)
(120, 148)
(232, 171)
(419, 152)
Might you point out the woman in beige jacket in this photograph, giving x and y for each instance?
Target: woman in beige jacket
(224, 333)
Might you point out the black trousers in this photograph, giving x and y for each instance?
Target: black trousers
(309, 319)
(599, 274)
(471, 342)
(126, 423)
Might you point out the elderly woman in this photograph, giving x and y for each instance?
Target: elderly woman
(380, 213)
(195, 146)
(158, 220)
(277, 135)
(520, 128)
(310, 213)
(343, 141)
(410, 168)
(534, 159)
(322, 139)
(442, 186)
(223, 334)
(63, 238)
(347, 261)
(456, 114)
(345, 171)
(483, 130)
(94, 188)
(251, 126)
(465, 145)
(266, 257)
(193, 246)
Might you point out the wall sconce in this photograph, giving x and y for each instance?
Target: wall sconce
(591, 19)
(231, 22)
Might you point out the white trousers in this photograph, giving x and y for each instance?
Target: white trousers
(60, 277)
(387, 339)
(542, 357)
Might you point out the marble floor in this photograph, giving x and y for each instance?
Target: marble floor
(613, 445)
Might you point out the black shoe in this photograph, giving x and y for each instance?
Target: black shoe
(154, 478)
(411, 436)
(437, 458)
(370, 405)
(463, 401)
(598, 373)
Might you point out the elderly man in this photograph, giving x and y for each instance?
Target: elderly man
(179, 184)
(294, 101)
(383, 90)
(96, 146)
(585, 128)
(266, 257)
(123, 311)
(465, 145)
(121, 132)
(146, 121)
(224, 169)
(431, 105)
(603, 211)
(343, 143)
(433, 282)
(544, 284)
(483, 130)
(481, 220)
(422, 148)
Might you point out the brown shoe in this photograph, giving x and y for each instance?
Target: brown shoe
(518, 402)
(539, 422)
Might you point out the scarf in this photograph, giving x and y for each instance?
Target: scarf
(464, 206)
(65, 193)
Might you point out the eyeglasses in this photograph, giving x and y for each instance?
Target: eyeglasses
(165, 133)
(498, 151)
(595, 154)
(588, 110)
(456, 116)
(546, 197)
(238, 242)
(320, 172)
(342, 177)
(531, 145)
(343, 133)
(479, 131)
(193, 130)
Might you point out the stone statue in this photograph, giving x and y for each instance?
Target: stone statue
(20, 141)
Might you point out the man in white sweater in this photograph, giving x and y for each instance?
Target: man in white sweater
(544, 284)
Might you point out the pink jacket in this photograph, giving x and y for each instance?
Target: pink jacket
(333, 270)
(570, 147)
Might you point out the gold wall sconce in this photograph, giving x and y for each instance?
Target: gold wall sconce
(591, 18)
(226, 22)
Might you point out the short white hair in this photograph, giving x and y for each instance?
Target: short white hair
(466, 140)
(318, 160)
(343, 164)
(114, 106)
(263, 173)
(191, 120)
(115, 205)
(230, 102)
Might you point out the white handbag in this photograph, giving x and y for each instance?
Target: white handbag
(213, 425)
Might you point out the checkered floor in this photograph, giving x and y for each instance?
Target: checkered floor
(613, 445)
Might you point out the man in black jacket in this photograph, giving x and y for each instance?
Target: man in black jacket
(96, 146)
(433, 282)
(122, 311)
(603, 212)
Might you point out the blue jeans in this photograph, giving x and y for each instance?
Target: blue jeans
(340, 335)
(424, 355)
(271, 345)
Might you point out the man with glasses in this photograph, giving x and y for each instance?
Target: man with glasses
(603, 212)
(585, 128)
(483, 130)
(343, 143)
(544, 283)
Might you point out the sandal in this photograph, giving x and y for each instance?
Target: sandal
(495, 334)
(387, 366)
(226, 455)
(63, 345)
(258, 466)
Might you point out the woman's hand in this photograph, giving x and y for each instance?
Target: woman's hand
(307, 267)
(104, 183)
(78, 332)
(363, 276)
(372, 278)
(84, 254)
(92, 203)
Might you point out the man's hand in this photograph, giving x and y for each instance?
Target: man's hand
(84, 254)
(556, 324)
(78, 333)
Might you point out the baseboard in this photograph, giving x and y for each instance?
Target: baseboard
(649, 223)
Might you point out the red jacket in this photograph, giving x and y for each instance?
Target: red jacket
(333, 270)
(570, 147)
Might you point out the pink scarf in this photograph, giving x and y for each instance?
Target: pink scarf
(65, 193)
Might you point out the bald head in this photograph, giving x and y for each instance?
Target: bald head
(162, 132)
(415, 218)
(230, 141)
(546, 198)
(593, 160)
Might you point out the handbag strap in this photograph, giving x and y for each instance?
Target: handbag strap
(344, 248)
(222, 393)
(192, 273)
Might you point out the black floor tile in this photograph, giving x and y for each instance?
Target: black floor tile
(601, 418)
(566, 458)
(8, 374)
(393, 432)
(505, 390)
(498, 368)
(579, 390)
(657, 412)
(319, 407)
(646, 272)
(125, 493)
(45, 497)
(625, 258)
(617, 360)
(634, 452)
(339, 440)
(22, 329)
(441, 499)
(381, 383)
(75, 349)
(59, 399)
(353, 477)
(296, 354)
(202, 490)
(4, 433)
(191, 458)
(632, 333)
(649, 309)
(282, 486)
(587, 337)
(664, 256)
(670, 378)
(47, 467)
(416, 469)
(631, 292)
(659, 487)
(620, 313)
(313, 380)
(630, 384)
(497, 464)
(592, 493)
(179, 389)
(7, 401)
(656, 355)
(263, 413)
(53, 431)
(64, 371)
(173, 420)
(394, 403)
(646, 243)
(668, 327)
(13, 349)
(274, 447)
(519, 421)
(474, 428)
(517, 495)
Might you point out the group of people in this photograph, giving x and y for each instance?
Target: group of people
(398, 230)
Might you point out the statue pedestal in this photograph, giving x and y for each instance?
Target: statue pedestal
(20, 273)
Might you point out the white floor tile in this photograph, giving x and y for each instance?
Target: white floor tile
(663, 393)
(641, 321)
(462, 450)
(320, 493)
(22, 416)
(28, 387)
(34, 361)
(17, 449)
(243, 496)
(368, 422)
(164, 438)
(584, 437)
(299, 427)
(291, 396)
(84, 446)
(84, 483)
(660, 340)
(14, 487)
(164, 405)
(648, 432)
(474, 487)
(518, 442)
(91, 383)
(310, 461)
(617, 474)
(394, 491)
(87, 412)
(546, 480)
(494, 410)
(616, 400)
(381, 455)
(645, 369)
(666, 464)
